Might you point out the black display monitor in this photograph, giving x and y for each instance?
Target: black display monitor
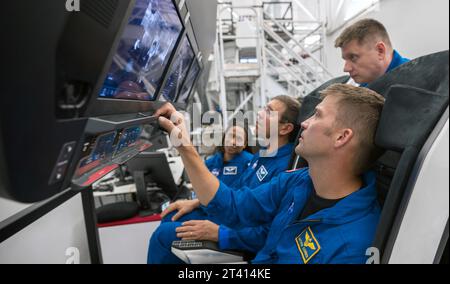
(178, 71)
(143, 52)
(60, 56)
(189, 83)
(139, 59)
(151, 168)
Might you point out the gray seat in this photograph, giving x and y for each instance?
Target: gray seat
(416, 98)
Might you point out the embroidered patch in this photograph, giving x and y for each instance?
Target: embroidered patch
(262, 173)
(216, 172)
(307, 244)
(230, 171)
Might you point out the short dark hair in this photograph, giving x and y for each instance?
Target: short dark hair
(362, 31)
(291, 113)
(359, 109)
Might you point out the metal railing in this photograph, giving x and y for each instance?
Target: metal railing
(282, 51)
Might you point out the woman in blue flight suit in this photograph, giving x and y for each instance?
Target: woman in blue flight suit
(228, 164)
(231, 159)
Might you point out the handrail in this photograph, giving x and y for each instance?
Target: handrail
(289, 49)
(241, 106)
(303, 49)
(287, 68)
(289, 82)
(297, 68)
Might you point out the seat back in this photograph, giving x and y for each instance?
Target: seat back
(412, 109)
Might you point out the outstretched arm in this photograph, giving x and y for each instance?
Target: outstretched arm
(204, 183)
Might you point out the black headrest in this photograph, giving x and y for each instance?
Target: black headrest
(310, 101)
(428, 72)
(408, 117)
(338, 80)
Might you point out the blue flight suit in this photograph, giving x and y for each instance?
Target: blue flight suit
(263, 169)
(260, 171)
(228, 172)
(248, 238)
(397, 60)
(339, 234)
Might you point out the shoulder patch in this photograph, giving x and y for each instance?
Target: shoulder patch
(307, 244)
(262, 173)
(215, 172)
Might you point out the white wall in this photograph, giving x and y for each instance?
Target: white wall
(48, 238)
(127, 244)
(416, 28)
(8, 208)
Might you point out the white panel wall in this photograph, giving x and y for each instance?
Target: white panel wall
(48, 239)
(126, 244)
(416, 28)
(9, 208)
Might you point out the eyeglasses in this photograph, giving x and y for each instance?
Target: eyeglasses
(268, 111)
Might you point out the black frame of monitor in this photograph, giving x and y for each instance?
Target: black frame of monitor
(191, 34)
(182, 105)
(172, 62)
(107, 106)
(178, 104)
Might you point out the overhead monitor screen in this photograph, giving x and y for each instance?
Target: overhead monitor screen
(189, 83)
(178, 71)
(143, 52)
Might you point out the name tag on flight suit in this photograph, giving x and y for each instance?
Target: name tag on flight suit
(230, 171)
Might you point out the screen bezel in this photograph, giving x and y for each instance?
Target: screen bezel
(172, 63)
(193, 38)
(108, 106)
(200, 69)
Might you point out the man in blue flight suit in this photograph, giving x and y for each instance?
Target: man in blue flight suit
(261, 170)
(367, 51)
(327, 213)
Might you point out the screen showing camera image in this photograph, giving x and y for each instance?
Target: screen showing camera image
(189, 83)
(143, 52)
(178, 71)
(95, 150)
(128, 138)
